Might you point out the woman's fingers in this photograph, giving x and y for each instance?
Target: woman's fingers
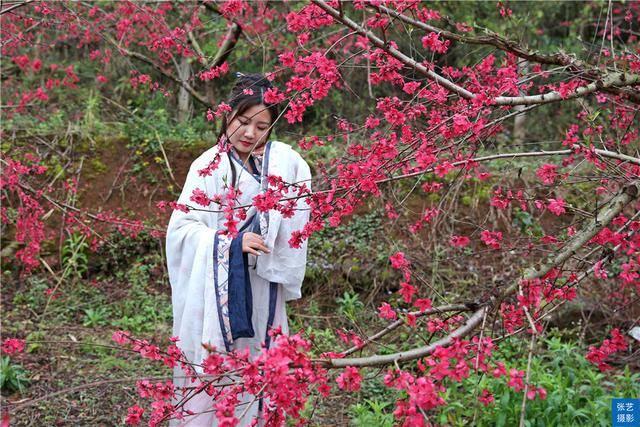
(262, 247)
(251, 251)
(252, 243)
(254, 250)
(259, 245)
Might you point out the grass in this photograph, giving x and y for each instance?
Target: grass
(71, 344)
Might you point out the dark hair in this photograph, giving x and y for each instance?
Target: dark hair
(239, 101)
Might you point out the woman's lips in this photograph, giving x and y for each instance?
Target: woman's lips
(246, 144)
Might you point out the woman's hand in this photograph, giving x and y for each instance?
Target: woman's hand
(252, 243)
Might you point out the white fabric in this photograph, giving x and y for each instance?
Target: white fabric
(189, 248)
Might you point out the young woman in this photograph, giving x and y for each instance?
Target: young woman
(229, 292)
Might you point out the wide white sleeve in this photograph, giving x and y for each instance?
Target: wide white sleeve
(284, 264)
(189, 249)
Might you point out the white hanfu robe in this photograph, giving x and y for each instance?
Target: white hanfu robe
(198, 262)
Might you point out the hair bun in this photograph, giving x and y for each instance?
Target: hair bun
(249, 85)
(248, 81)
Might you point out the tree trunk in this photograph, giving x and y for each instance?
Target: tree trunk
(185, 103)
(519, 128)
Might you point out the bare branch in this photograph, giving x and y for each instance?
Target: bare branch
(416, 353)
(15, 6)
(602, 153)
(491, 39)
(451, 86)
(395, 325)
(137, 55)
(597, 151)
(230, 41)
(626, 195)
(64, 207)
(611, 81)
(83, 387)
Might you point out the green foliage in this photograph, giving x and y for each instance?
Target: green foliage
(297, 323)
(33, 346)
(353, 249)
(122, 251)
(537, 27)
(75, 256)
(110, 363)
(356, 250)
(527, 223)
(73, 299)
(323, 338)
(139, 308)
(95, 317)
(33, 294)
(372, 413)
(91, 123)
(577, 392)
(350, 305)
(13, 377)
(479, 191)
(142, 310)
(375, 405)
(151, 124)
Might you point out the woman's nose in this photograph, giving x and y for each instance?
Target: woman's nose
(249, 132)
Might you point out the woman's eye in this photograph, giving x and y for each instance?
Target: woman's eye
(262, 129)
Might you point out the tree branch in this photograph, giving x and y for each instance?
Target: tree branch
(449, 85)
(599, 152)
(491, 39)
(513, 47)
(230, 41)
(15, 6)
(416, 353)
(608, 82)
(64, 207)
(395, 325)
(200, 98)
(615, 206)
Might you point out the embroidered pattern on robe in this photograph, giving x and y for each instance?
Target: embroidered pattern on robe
(221, 246)
(222, 272)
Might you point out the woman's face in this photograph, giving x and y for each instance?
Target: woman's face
(247, 132)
